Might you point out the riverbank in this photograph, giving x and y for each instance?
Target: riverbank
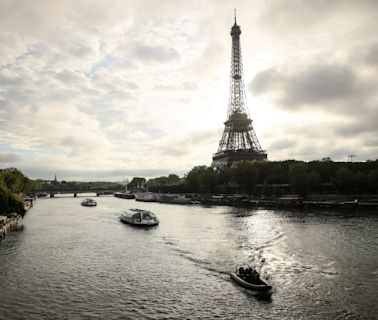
(365, 202)
(293, 201)
(8, 223)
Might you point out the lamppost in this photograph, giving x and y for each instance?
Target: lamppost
(351, 156)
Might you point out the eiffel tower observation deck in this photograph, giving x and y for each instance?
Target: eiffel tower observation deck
(239, 141)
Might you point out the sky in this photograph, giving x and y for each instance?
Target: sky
(107, 90)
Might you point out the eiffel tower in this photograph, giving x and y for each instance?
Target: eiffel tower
(239, 141)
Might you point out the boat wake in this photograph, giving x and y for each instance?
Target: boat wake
(190, 256)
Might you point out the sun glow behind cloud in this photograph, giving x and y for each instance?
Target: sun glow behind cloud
(95, 90)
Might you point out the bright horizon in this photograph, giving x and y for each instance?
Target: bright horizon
(95, 91)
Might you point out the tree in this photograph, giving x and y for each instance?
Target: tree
(245, 175)
(9, 203)
(193, 178)
(263, 171)
(359, 182)
(304, 177)
(301, 180)
(208, 180)
(343, 180)
(137, 183)
(14, 180)
(372, 180)
(173, 179)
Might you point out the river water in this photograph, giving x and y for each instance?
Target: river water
(66, 261)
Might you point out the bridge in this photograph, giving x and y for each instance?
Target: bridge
(75, 192)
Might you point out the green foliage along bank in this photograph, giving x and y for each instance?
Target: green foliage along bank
(274, 178)
(10, 203)
(13, 184)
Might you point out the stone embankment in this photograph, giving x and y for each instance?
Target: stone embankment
(7, 223)
(368, 202)
(293, 202)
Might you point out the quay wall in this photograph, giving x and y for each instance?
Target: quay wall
(7, 224)
(369, 202)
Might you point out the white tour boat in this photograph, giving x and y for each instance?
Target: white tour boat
(139, 217)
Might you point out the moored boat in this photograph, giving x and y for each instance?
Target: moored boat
(139, 217)
(89, 202)
(146, 197)
(124, 195)
(250, 279)
(174, 198)
(41, 194)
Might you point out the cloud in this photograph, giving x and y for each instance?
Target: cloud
(165, 87)
(156, 53)
(320, 85)
(336, 104)
(370, 54)
(288, 16)
(9, 157)
(365, 123)
(189, 85)
(192, 143)
(104, 89)
(183, 86)
(282, 144)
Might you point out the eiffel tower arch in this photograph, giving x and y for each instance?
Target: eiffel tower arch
(239, 141)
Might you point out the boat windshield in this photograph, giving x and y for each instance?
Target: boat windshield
(136, 215)
(141, 214)
(148, 216)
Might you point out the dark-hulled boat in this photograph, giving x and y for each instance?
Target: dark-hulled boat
(89, 203)
(124, 195)
(250, 279)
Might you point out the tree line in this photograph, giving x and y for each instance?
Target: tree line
(273, 178)
(13, 184)
(256, 178)
(75, 185)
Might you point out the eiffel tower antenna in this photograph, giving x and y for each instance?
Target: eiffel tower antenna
(239, 141)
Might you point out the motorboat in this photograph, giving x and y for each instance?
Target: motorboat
(248, 278)
(124, 195)
(89, 202)
(139, 217)
(41, 194)
(174, 198)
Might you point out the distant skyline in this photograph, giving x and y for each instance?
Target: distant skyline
(106, 90)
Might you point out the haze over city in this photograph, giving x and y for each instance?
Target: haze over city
(94, 90)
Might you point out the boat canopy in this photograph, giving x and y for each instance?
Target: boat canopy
(142, 214)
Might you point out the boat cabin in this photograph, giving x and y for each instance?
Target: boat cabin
(142, 215)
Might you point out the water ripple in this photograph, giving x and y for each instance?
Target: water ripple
(71, 263)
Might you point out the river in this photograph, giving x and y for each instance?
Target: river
(66, 261)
